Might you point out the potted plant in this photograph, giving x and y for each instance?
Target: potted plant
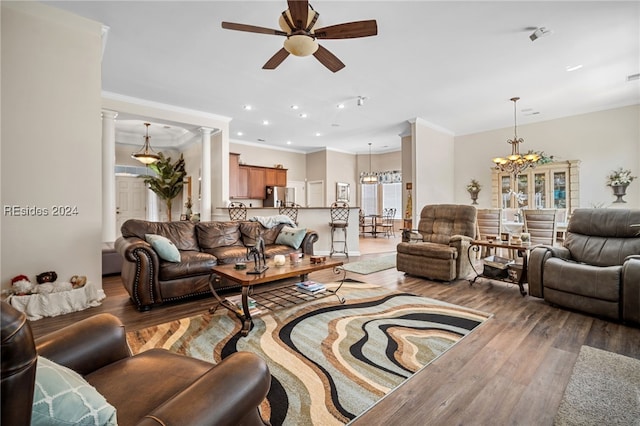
(619, 180)
(474, 188)
(169, 179)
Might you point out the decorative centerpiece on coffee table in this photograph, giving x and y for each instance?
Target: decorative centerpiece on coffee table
(257, 252)
(618, 180)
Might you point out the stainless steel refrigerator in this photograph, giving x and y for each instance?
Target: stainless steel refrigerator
(279, 195)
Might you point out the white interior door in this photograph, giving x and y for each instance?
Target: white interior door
(131, 199)
(315, 193)
(301, 191)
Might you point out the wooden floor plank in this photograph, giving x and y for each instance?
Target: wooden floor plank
(512, 370)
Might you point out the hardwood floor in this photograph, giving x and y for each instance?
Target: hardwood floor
(512, 370)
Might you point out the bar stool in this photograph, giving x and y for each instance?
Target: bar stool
(237, 211)
(339, 221)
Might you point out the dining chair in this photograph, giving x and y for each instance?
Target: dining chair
(290, 209)
(362, 222)
(387, 225)
(541, 225)
(237, 211)
(561, 224)
(489, 223)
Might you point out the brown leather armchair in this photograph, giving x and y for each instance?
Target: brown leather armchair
(152, 388)
(447, 231)
(598, 269)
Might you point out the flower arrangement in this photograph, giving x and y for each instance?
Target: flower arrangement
(474, 186)
(620, 177)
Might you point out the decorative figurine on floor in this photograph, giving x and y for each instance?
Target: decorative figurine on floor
(259, 259)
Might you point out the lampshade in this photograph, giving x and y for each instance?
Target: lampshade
(300, 45)
(146, 155)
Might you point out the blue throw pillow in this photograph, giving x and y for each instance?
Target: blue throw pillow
(164, 247)
(291, 236)
(62, 397)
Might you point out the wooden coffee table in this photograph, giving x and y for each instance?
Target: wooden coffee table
(274, 273)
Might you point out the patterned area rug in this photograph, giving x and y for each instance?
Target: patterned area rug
(329, 362)
(604, 389)
(370, 266)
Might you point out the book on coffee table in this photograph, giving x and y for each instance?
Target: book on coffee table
(310, 287)
(237, 301)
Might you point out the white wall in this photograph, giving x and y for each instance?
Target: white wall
(602, 141)
(433, 160)
(51, 142)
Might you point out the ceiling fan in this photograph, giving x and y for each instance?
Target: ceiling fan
(297, 25)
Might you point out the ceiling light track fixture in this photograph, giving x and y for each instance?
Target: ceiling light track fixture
(146, 155)
(516, 163)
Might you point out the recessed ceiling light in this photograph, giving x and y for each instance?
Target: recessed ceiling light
(288, 142)
(303, 115)
(340, 106)
(318, 134)
(265, 122)
(239, 133)
(247, 107)
(573, 67)
(294, 106)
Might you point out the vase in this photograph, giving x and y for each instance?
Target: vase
(619, 191)
(474, 197)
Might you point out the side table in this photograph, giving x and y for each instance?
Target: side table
(523, 249)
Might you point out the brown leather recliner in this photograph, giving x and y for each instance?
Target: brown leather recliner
(152, 388)
(598, 269)
(447, 231)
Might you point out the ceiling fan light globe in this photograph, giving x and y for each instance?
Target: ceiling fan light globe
(300, 45)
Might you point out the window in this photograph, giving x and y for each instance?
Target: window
(377, 197)
(369, 202)
(392, 198)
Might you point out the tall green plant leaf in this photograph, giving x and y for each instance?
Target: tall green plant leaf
(169, 179)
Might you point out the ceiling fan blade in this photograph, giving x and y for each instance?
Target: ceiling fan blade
(251, 29)
(276, 59)
(299, 10)
(348, 30)
(328, 59)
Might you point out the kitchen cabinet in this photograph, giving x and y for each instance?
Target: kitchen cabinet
(234, 175)
(275, 177)
(257, 183)
(250, 182)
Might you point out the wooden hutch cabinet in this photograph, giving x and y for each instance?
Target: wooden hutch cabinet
(553, 185)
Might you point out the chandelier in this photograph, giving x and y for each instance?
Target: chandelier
(516, 163)
(146, 154)
(369, 177)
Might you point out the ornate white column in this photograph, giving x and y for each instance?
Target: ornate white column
(205, 175)
(108, 175)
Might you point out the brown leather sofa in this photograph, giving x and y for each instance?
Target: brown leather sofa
(151, 388)
(149, 280)
(598, 269)
(442, 254)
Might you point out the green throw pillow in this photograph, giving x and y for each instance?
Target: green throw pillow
(291, 236)
(164, 247)
(63, 397)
